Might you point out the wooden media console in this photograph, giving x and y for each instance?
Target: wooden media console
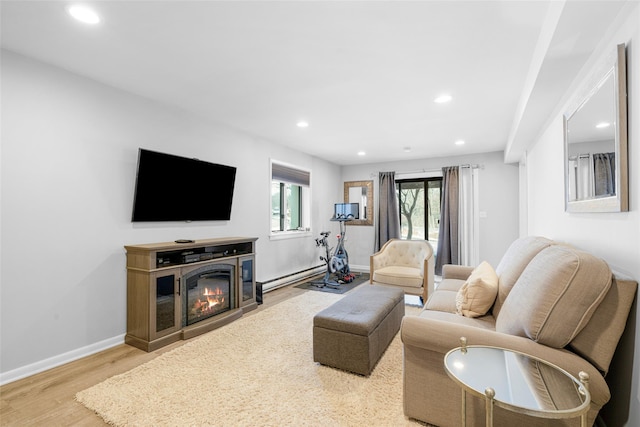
(179, 290)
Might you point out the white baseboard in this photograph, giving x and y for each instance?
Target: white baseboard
(61, 359)
(359, 268)
(296, 277)
(291, 278)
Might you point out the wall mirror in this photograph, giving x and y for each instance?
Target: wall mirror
(595, 141)
(360, 192)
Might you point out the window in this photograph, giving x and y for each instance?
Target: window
(285, 206)
(290, 199)
(419, 208)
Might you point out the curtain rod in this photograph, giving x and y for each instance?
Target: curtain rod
(472, 166)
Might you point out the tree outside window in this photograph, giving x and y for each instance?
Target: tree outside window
(286, 209)
(290, 198)
(419, 208)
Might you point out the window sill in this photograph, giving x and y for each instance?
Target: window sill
(289, 235)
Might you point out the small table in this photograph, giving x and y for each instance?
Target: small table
(517, 382)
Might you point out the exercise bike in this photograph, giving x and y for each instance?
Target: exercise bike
(338, 262)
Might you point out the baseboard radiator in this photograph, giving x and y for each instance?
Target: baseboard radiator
(279, 282)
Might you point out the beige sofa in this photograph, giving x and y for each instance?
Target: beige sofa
(407, 264)
(553, 302)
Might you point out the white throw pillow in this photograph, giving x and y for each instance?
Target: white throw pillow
(479, 292)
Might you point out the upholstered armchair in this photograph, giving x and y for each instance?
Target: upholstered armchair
(408, 264)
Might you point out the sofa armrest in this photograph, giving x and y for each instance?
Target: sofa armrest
(452, 271)
(428, 284)
(442, 336)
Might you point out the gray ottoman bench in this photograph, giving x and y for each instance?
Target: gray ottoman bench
(353, 333)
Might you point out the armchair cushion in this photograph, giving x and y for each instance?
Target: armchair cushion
(399, 275)
(478, 293)
(555, 296)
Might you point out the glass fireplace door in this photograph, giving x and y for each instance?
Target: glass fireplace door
(247, 281)
(207, 292)
(166, 307)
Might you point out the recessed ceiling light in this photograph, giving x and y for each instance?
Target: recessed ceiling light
(459, 142)
(302, 124)
(407, 149)
(84, 14)
(361, 153)
(603, 125)
(443, 98)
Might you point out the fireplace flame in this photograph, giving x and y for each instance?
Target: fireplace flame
(208, 302)
(208, 292)
(212, 298)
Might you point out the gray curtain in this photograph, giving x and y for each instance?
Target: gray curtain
(388, 216)
(448, 239)
(604, 171)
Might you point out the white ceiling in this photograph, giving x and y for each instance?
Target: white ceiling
(364, 74)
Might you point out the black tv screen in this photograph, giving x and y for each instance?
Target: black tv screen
(174, 188)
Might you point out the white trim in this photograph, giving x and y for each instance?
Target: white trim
(359, 268)
(283, 235)
(61, 359)
(295, 277)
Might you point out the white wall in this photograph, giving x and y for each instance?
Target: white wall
(614, 237)
(498, 199)
(69, 154)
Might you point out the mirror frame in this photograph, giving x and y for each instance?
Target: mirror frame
(369, 186)
(615, 63)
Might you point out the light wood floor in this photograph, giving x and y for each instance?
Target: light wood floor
(47, 399)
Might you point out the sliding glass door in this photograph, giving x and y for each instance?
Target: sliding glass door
(419, 208)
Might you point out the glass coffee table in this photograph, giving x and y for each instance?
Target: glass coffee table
(517, 382)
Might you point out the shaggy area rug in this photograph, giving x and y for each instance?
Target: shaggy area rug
(258, 370)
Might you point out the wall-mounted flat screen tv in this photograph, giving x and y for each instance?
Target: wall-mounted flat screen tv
(174, 188)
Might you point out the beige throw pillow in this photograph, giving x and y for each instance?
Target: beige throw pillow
(478, 293)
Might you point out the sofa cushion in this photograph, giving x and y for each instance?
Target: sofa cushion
(513, 263)
(399, 275)
(442, 300)
(483, 322)
(598, 340)
(555, 296)
(478, 293)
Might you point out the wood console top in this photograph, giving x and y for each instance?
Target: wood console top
(155, 256)
(197, 243)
